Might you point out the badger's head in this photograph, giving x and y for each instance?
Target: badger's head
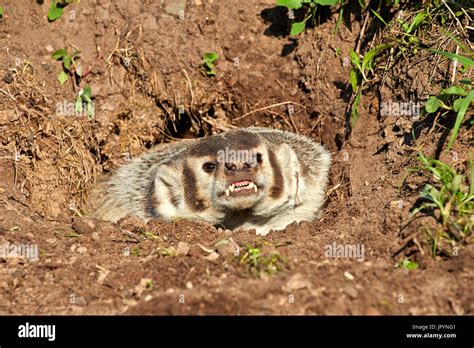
(232, 171)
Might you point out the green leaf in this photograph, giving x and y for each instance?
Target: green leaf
(456, 90)
(463, 106)
(370, 56)
(355, 109)
(67, 61)
(1, 11)
(354, 78)
(90, 110)
(457, 104)
(355, 60)
(87, 94)
(326, 2)
(432, 104)
(54, 12)
(62, 77)
(379, 17)
(210, 57)
(417, 22)
(297, 28)
(78, 105)
(463, 60)
(409, 265)
(59, 54)
(290, 4)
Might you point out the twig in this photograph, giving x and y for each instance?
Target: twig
(454, 16)
(265, 108)
(455, 66)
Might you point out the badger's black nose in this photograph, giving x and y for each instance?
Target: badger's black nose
(238, 166)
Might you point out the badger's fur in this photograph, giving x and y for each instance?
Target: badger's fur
(251, 178)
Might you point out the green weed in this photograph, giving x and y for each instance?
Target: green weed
(454, 98)
(407, 264)
(309, 7)
(208, 60)
(451, 199)
(84, 99)
(70, 66)
(56, 9)
(257, 262)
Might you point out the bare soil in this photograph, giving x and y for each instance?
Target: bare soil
(145, 72)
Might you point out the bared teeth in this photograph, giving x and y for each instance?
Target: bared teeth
(242, 186)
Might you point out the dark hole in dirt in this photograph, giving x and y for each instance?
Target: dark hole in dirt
(345, 90)
(180, 125)
(125, 115)
(211, 112)
(278, 19)
(116, 129)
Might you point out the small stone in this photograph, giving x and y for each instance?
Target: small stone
(351, 291)
(83, 226)
(95, 236)
(175, 7)
(195, 251)
(183, 248)
(80, 301)
(81, 250)
(297, 282)
(189, 285)
(348, 275)
(212, 256)
(51, 241)
(49, 48)
(227, 247)
(8, 77)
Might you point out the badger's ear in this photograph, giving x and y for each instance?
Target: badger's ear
(286, 156)
(169, 173)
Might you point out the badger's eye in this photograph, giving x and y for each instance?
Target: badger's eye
(259, 158)
(209, 167)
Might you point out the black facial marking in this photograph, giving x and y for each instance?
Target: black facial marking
(152, 201)
(191, 196)
(276, 189)
(234, 140)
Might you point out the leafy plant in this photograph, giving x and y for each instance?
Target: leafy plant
(208, 62)
(70, 64)
(451, 197)
(257, 262)
(1, 12)
(407, 264)
(309, 6)
(84, 99)
(359, 73)
(454, 98)
(56, 9)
